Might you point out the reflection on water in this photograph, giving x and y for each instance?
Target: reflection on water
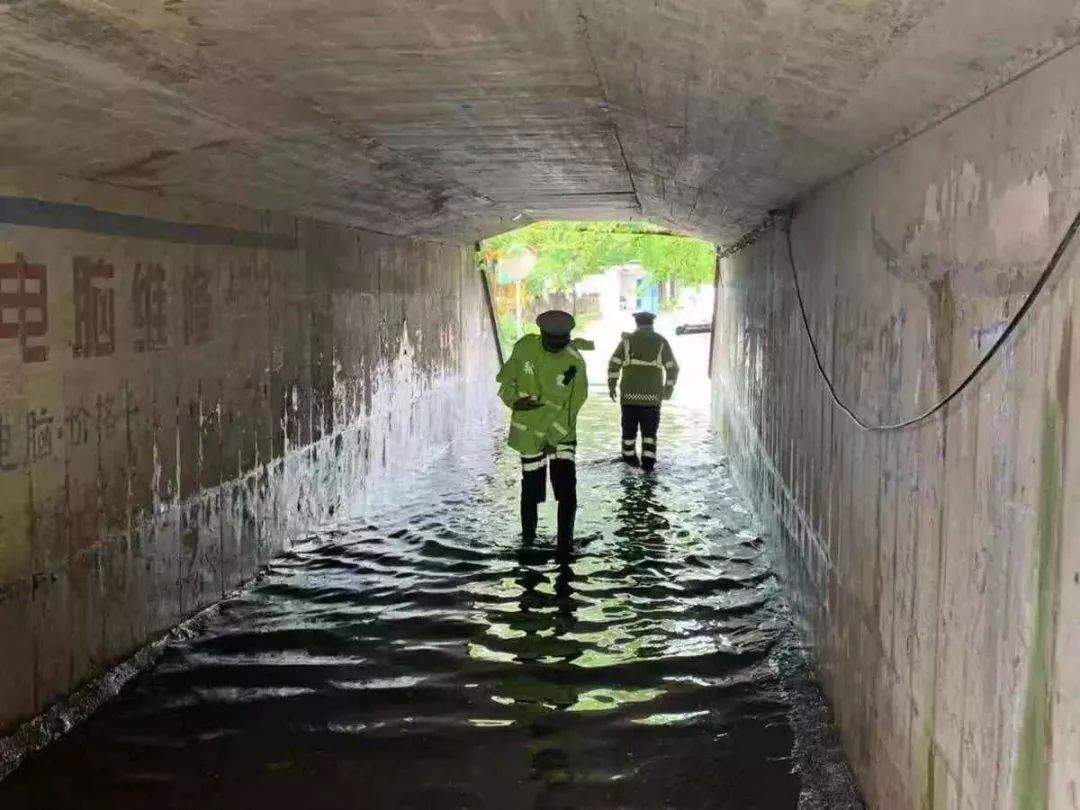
(423, 657)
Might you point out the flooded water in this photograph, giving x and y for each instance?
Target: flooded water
(422, 657)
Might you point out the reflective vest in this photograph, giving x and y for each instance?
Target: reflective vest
(533, 371)
(644, 367)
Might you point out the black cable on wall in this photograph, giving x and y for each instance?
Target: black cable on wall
(1048, 271)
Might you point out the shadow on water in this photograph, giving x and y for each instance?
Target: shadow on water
(424, 657)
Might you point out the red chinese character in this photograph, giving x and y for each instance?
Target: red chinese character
(195, 292)
(78, 421)
(24, 306)
(95, 317)
(9, 458)
(149, 296)
(39, 435)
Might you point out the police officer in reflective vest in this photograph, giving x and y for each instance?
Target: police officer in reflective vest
(648, 372)
(544, 385)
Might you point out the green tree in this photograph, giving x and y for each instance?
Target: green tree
(569, 251)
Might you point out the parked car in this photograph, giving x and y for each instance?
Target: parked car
(692, 328)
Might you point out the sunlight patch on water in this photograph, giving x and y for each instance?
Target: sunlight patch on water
(599, 700)
(674, 719)
(482, 653)
(401, 682)
(504, 631)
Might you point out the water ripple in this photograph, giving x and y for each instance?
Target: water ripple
(423, 657)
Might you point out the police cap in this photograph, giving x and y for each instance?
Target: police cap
(644, 318)
(555, 322)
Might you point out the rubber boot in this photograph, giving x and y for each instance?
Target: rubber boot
(567, 512)
(528, 520)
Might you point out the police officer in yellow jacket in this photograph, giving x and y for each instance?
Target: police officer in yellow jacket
(544, 385)
(648, 371)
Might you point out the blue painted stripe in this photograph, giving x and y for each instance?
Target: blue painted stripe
(42, 214)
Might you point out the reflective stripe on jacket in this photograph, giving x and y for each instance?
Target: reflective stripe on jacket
(644, 367)
(532, 371)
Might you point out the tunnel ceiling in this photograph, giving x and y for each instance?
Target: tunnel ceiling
(451, 119)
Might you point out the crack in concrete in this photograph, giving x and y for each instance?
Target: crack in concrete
(583, 34)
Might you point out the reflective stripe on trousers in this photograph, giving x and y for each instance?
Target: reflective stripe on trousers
(563, 452)
(643, 418)
(562, 469)
(532, 463)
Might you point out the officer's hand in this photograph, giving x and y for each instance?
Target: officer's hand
(611, 393)
(668, 392)
(525, 404)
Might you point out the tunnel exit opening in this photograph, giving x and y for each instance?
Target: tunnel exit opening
(600, 272)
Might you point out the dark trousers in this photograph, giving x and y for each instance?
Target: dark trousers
(645, 418)
(535, 470)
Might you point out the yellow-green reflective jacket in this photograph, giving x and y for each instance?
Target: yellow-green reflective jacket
(647, 367)
(532, 371)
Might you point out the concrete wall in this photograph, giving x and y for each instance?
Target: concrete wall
(937, 569)
(186, 392)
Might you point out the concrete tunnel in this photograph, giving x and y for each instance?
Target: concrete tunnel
(239, 297)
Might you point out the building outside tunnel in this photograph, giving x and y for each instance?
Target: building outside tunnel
(241, 318)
